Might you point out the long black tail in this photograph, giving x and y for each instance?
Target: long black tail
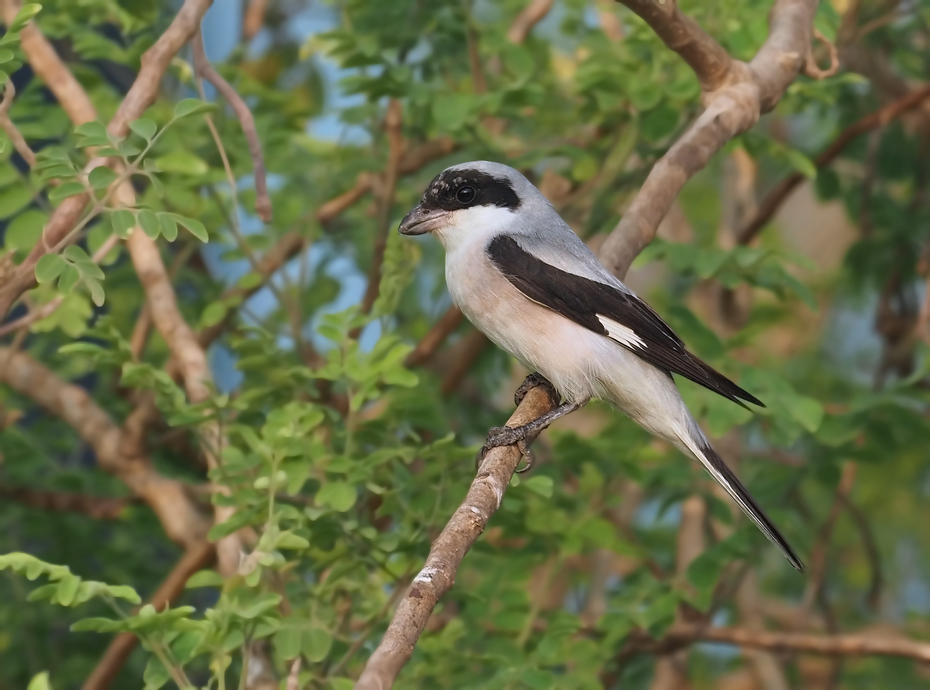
(733, 486)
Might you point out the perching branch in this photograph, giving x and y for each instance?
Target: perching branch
(204, 69)
(783, 189)
(734, 94)
(197, 557)
(438, 574)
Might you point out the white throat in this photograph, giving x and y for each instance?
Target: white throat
(470, 225)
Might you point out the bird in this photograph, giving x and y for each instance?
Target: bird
(523, 277)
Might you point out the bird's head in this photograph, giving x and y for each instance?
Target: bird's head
(468, 200)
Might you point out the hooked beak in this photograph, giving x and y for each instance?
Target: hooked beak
(420, 221)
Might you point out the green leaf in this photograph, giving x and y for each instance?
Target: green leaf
(214, 313)
(65, 190)
(801, 163)
(13, 199)
(67, 588)
(316, 644)
(289, 540)
(287, 642)
(155, 674)
(182, 162)
(25, 230)
(539, 484)
(149, 223)
(807, 412)
(102, 625)
(169, 226)
(75, 253)
(22, 18)
(204, 578)
(5, 55)
(194, 227)
(144, 128)
(39, 681)
(237, 520)
(49, 267)
(123, 222)
(101, 177)
(192, 106)
(96, 290)
(69, 278)
(340, 496)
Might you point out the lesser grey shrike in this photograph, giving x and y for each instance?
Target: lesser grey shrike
(527, 281)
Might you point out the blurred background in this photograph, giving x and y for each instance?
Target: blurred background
(796, 264)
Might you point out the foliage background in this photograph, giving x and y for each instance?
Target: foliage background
(358, 460)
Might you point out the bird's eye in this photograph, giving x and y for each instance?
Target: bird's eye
(465, 195)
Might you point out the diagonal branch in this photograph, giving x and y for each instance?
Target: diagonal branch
(74, 100)
(436, 578)
(733, 104)
(773, 201)
(197, 557)
(169, 498)
(734, 95)
(529, 17)
(711, 63)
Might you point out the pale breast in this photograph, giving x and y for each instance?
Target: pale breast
(564, 352)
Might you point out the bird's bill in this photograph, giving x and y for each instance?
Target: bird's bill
(420, 221)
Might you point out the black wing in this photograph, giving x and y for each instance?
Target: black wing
(597, 307)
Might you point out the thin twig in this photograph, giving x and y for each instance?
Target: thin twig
(810, 66)
(393, 120)
(97, 507)
(783, 189)
(19, 142)
(197, 557)
(204, 69)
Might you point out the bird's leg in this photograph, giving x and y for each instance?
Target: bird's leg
(529, 383)
(508, 436)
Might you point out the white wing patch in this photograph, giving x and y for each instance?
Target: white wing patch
(620, 333)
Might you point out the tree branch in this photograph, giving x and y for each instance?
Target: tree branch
(529, 17)
(734, 98)
(783, 189)
(74, 100)
(203, 68)
(864, 644)
(711, 63)
(436, 578)
(169, 498)
(97, 507)
(197, 557)
(435, 337)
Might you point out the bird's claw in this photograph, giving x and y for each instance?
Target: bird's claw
(500, 436)
(529, 383)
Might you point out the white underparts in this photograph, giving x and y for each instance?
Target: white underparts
(620, 333)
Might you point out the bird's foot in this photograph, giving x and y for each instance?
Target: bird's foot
(532, 381)
(501, 436)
